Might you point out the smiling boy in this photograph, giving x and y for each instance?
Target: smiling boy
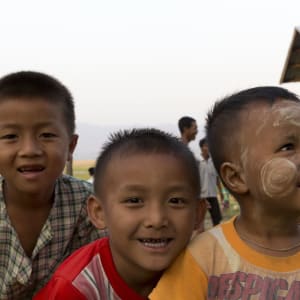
(146, 194)
(43, 213)
(254, 141)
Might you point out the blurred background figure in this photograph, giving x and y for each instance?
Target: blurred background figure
(210, 184)
(91, 172)
(188, 129)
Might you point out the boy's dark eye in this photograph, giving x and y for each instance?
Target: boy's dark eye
(48, 135)
(287, 147)
(133, 200)
(8, 137)
(178, 201)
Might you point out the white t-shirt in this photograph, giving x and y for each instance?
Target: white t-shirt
(208, 179)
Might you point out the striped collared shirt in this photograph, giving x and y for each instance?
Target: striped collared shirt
(66, 229)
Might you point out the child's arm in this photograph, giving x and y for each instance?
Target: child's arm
(59, 289)
(183, 280)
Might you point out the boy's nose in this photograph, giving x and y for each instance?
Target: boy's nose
(30, 147)
(156, 217)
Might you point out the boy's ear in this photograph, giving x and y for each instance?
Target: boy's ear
(232, 176)
(95, 212)
(72, 145)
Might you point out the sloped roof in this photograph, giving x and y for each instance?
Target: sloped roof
(291, 69)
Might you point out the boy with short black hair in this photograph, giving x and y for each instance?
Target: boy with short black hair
(254, 141)
(146, 194)
(43, 213)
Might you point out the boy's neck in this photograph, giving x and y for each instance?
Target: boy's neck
(144, 285)
(28, 201)
(140, 280)
(272, 236)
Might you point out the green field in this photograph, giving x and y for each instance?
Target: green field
(80, 168)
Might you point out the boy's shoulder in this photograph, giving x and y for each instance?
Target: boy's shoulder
(81, 258)
(69, 209)
(214, 242)
(72, 192)
(87, 259)
(67, 183)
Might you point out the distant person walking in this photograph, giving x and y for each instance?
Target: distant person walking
(210, 183)
(188, 129)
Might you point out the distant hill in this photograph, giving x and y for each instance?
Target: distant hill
(92, 137)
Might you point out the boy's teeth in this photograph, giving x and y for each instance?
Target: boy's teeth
(157, 243)
(30, 169)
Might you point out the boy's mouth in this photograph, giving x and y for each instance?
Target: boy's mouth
(26, 169)
(155, 243)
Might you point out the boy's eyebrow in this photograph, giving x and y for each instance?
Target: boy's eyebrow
(10, 125)
(292, 137)
(171, 188)
(180, 187)
(16, 125)
(287, 138)
(133, 188)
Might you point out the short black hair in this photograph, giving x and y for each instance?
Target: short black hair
(145, 140)
(223, 119)
(91, 171)
(30, 85)
(202, 142)
(185, 122)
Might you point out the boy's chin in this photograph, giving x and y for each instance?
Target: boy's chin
(158, 266)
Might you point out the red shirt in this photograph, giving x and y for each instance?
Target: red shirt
(89, 273)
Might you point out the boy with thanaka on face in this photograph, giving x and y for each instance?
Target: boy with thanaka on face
(146, 194)
(43, 213)
(254, 141)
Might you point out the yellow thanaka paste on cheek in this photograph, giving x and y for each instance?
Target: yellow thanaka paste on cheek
(278, 177)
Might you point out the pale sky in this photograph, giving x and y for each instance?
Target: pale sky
(149, 62)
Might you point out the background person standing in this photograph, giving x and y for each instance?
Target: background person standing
(91, 171)
(210, 184)
(188, 129)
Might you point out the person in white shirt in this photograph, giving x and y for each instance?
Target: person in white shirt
(210, 184)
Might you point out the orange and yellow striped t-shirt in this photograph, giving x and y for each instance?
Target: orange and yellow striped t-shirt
(219, 265)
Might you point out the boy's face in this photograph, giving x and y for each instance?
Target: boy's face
(34, 144)
(270, 154)
(149, 206)
(204, 151)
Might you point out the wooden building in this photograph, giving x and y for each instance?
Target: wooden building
(291, 69)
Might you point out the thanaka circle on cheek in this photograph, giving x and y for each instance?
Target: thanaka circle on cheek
(278, 177)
